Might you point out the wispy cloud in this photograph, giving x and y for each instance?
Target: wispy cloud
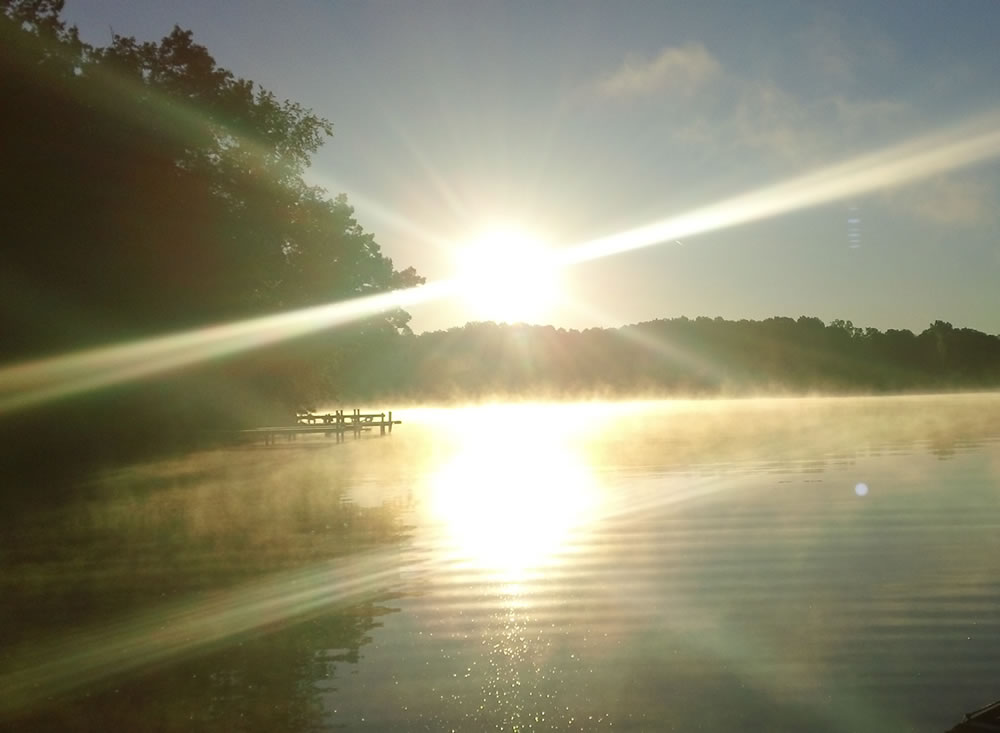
(836, 52)
(735, 113)
(949, 201)
(729, 109)
(769, 118)
(676, 69)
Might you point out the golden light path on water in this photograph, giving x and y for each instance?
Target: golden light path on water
(533, 526)
(31, 383)
(507, 499)
(512, 491)
(526, 524)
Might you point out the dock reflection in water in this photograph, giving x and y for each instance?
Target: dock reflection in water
(643, 566)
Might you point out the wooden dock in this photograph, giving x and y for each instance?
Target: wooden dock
(332, 424)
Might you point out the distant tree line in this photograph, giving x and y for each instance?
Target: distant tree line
(681, 356)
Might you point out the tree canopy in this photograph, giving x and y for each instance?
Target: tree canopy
(146, 188)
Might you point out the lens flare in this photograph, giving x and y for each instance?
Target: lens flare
(911, 161)
(27, 384)
(36, 382)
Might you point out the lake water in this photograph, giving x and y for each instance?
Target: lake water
(771, 565)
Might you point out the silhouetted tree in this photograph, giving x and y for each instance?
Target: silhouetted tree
(147, 189)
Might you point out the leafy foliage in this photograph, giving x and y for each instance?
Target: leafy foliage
(147, 188)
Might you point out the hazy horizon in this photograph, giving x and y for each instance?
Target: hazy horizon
(690, 317)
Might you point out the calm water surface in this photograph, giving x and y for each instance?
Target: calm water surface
(778, 565)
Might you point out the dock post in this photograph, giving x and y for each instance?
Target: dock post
(390, 421)
(381, 424)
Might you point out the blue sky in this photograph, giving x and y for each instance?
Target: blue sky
(579, 119)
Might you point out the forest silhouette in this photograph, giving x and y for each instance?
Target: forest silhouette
(147, 190)
(682, 357)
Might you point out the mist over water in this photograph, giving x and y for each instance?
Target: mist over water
(783, 564)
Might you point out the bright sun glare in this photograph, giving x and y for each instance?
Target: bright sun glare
(508, 275)
(509, 498)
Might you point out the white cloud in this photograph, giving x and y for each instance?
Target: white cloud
(768, 118)
(947, 201)
(726, 109)
(762, 126)
(681, 69)
(836, 51)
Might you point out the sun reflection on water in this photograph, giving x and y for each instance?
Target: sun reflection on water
(512, 492)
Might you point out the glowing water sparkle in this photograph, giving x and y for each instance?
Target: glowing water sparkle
(671, 554)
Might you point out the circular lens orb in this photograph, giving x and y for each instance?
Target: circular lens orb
(861, 489)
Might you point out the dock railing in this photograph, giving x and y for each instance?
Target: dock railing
(336, 424)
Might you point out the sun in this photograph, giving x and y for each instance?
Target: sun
(508, 275)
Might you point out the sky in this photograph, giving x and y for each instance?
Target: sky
(575, 120)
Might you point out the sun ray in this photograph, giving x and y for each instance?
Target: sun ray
(183, 629)
(919, 158)
(25, 384)
(35, 382)
(670, 352)
(381, 213)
